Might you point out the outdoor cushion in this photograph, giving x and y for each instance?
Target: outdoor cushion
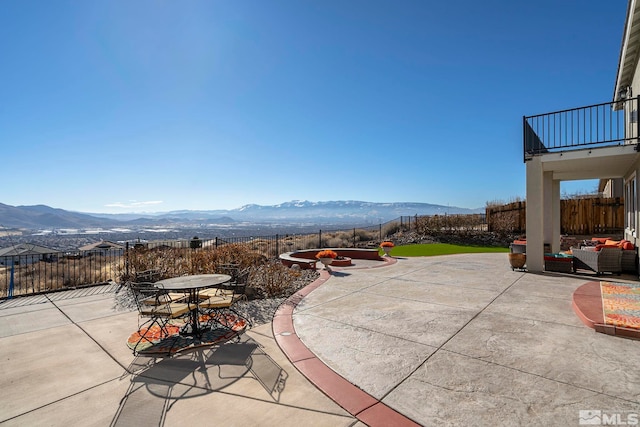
(601, 239)
(628, 246)
(600, 246)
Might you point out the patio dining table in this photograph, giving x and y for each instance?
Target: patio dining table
(192, 284)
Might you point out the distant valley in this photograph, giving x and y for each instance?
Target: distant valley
(60, 228)
(301, 212)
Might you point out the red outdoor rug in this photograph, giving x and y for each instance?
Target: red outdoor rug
(612, 308)
(621, 304)
(168, 341)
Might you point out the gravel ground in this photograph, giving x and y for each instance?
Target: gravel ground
(258, 311)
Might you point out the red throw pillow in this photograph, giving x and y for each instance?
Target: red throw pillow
(628, 246)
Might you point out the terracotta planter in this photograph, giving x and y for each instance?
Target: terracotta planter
(517, 260)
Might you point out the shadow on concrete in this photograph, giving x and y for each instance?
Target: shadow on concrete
(158, 383)
(340, 273)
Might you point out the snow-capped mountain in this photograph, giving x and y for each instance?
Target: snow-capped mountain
(334, 212)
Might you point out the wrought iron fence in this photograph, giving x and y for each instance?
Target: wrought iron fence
(49, 272)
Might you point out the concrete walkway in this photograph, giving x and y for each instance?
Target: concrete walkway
(64, 362)
(452, 340)
(463, 340)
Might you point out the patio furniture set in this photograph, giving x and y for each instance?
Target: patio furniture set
(185, 312)
(600, 255)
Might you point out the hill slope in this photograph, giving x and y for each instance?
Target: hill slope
(334, 212)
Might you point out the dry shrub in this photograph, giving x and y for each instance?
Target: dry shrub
(240, 254)
(363, 235)
(504, 223)
(390, 228)
(174, 262)
(337, 242)
(272, 279)
(310, 245)
(503, 218)
(436, 224)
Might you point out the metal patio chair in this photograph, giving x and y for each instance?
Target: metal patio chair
(234, 287)
(155, 308)
(217, 307)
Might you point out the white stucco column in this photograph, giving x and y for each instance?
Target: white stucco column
(543, 214)
(551, 203)
(555, 215)
(535, 215)
(547, 207)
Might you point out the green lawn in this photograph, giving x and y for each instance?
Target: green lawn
(432, 249)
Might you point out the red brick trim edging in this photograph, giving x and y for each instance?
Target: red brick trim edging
(357, 402)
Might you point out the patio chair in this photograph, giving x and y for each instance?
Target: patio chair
(234, 288)
(163, 295)
(217, 307)
(606, 260)
(150, 276)
(156, 308)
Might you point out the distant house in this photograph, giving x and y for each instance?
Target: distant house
(103, 248)
(599, 141)
(27, 253)
(611, 187)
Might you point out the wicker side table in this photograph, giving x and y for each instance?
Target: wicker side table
(559, 263)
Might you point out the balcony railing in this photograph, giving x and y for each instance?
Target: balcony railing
(610, 123)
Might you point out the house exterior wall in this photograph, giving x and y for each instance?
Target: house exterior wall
(545, 169)
(631, 231)
(613, 188)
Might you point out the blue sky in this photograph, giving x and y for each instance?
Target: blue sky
(121, 106)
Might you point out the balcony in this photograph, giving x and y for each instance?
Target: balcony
(601, 125)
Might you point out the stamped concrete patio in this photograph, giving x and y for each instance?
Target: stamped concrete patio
(451, 340)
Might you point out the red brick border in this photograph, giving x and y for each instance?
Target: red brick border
(357, 402)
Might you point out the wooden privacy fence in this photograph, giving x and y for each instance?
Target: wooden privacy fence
(594, 215)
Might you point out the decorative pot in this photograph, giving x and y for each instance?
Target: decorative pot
(326, 261)
(387, 250)
(517, 260)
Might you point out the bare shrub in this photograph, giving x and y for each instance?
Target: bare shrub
(310, 245)
(503, 218)
(337, 242)
(365, 235)
(272, 279)
(170, 262)
(438, 224)
(391, 228)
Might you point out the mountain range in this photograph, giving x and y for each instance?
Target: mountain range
(296, 211)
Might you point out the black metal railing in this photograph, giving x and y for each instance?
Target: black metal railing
(610, 123)
(55, 271)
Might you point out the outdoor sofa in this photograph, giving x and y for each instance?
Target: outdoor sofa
(604, 260)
